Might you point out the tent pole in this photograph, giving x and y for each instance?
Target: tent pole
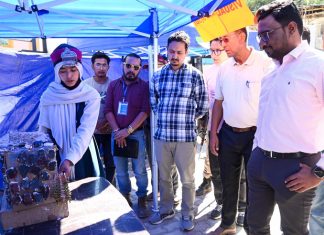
(153, 58)
(35, 11)
(214, 7)
(44, 45)
(175, 7)
(154, 162)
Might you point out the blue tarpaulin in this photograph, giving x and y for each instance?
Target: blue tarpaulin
(125, 45)
(26, 78)
(23, 79)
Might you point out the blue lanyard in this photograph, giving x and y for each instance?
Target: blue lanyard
(124, 91)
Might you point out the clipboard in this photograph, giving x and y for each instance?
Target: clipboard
(130, 151)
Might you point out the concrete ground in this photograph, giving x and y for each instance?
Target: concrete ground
(203, 204)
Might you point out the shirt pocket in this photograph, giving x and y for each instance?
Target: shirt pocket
(184, 89)
(252, 90)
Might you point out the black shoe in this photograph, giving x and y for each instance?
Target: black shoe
(240, 219)
(158, 218)
(149, 197)
(128, 199)
(217, 212)
(204, 188)
(187, 223)
(142, 211)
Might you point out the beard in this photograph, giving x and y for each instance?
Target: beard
(279, 50)
(268, 50)
(130, 76)
(276, 54)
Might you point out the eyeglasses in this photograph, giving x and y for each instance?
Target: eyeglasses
(135, 67)
(226, 39)
(216, 52)
(98, 65)
(265, 36)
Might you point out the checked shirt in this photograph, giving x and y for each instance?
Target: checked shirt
(178, 98)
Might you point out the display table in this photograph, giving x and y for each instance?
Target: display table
(96, 208)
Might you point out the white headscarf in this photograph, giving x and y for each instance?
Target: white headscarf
(58, 113)
(58, 66)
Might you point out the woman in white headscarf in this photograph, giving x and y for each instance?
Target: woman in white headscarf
(69, 111)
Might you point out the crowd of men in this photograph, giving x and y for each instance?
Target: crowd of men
(266, 121)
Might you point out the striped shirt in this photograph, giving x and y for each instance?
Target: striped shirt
(178, 98)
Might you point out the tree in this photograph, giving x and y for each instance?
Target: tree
(255, 4)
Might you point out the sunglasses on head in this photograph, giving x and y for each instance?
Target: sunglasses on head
(135, 67)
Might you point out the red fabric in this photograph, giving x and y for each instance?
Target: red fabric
(56, 54)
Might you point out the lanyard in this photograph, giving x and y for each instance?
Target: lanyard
(124, 91)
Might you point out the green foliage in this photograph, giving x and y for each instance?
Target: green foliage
(255, 4)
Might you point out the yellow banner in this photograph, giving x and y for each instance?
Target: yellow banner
(225, 20)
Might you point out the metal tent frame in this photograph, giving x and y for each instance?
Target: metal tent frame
(144, 19)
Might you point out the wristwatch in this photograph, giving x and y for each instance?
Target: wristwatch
(318, 172)
(130, 129)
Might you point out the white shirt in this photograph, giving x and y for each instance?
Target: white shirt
(239, 87)
(102, 89)
(291, 115)
(210, 76)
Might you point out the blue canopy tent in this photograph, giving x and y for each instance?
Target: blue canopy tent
(141, 21)
(125, 45)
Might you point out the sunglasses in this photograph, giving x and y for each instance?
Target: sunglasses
(135, 67)
(265, 36)
(226, 39)
(216, 52)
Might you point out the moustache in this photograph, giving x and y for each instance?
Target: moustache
(266, 47)
(131, 78)
(130, 73)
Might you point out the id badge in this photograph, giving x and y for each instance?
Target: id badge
(122, 108)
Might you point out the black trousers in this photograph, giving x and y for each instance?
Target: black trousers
(104, 144)
(242, 192)
(215, 176)
(217, 182)
(234, 148)
(266, 188)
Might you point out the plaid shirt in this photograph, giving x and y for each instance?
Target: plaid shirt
(178, 98)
